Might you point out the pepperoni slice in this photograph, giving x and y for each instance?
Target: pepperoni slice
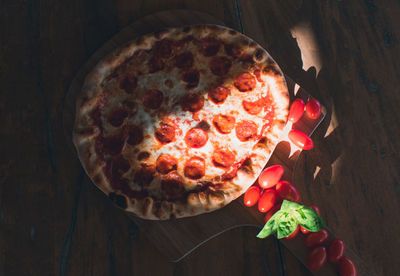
(184, 60)
(165, 133)
(155, 64)
(153, 98)
(181, 44)
(137, 58)
(113, 144)
(223, 158)
(166, 163)
(117, 117)
(117, 166)
(192, 102)
(172, 185)
(128, 84)
(144, 176)
(246, 130)
(224, 123)
(253, 108)
(246, 58)
(191, 77)
(196, 138)
(209, 46)
(163, 48)
(245, 82)
(220, 65)
(233, 50)
(135, 135)
(218, 94)
(195, 168)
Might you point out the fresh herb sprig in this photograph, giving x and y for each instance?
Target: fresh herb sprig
(288, 218)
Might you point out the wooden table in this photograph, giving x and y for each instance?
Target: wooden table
(53, 221)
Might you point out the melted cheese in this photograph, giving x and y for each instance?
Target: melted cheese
(170, 108)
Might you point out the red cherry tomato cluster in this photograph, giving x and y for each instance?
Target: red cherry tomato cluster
(316, 258)
(313, 111)
(300, 139)
(287, 191)
(270, 176)
(251, 196)
(271, 190)
(317, 238)
(335, 250)
(267, 200)
(347, 267)
(296, 110)
(334, 253)
(312, 108)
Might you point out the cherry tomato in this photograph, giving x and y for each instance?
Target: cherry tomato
(251, 196)
(347, 267)
(287, 191)
(293, 235)
(267, 200)
(335, 250)
(271, 212)
(296, 110)
(313, 108)
(300, 139)
(303, 230)
(315, 207)
(316, 238)
(270, 176)
(316, 258)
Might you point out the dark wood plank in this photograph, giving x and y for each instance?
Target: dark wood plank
(252, 256)
(26, 183)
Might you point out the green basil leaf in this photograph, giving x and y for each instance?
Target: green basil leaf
(271, 226)
(309, 219)
(290, 206)
(287, 219)
(287, 225)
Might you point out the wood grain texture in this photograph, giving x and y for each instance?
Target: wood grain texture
(42, 45)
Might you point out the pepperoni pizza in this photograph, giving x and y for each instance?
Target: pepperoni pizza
(180, 122)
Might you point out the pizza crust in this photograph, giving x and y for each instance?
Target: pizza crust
(85, 131)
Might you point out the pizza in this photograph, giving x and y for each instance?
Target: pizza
(180, 122)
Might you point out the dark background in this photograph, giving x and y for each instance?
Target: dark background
(53, 221)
